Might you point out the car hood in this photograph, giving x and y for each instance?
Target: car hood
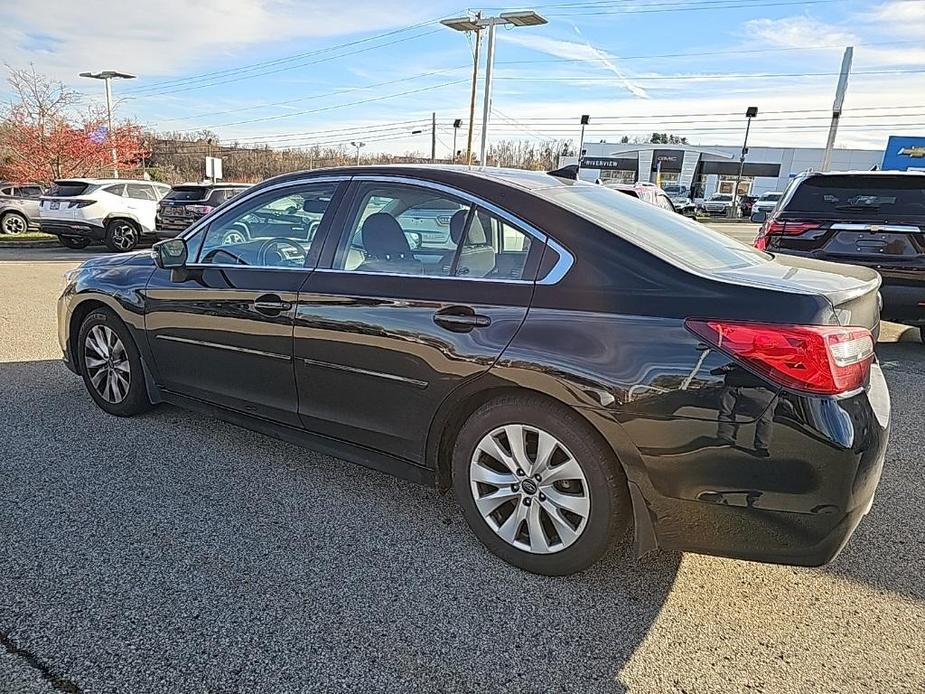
(788, 273)
(142, 257)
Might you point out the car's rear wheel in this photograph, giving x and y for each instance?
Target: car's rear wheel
(922, 333)
(111, 365)
(14, 223)
(75, 242)
(538, 486)
(122, 235)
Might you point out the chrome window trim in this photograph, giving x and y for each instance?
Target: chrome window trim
(420, 277)
(365, 372)
(565, 261)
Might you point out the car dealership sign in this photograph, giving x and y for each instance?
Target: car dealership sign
(904, 153)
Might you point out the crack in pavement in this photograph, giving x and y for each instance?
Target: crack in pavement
(58, 682)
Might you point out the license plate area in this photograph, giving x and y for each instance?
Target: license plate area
(891, 244)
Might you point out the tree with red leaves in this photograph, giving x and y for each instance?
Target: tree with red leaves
(43, 139)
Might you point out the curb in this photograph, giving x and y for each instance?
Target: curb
(32, 243)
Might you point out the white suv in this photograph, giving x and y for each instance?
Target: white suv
(115, 211)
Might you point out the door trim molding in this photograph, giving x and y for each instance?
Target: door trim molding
(230, 348)
(365, 372)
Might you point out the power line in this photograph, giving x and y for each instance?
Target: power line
(709, 76)
(729, 5)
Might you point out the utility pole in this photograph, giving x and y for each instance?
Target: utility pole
(472, 96)
(837, 107)
(433, 137)
(476, 24)
(107, 76)
(750, 113)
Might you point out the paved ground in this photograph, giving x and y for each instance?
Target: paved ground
(175, 553)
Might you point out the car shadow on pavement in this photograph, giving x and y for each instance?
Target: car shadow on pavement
(174, 552)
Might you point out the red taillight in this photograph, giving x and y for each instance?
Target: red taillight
(774, 227)
(200, 209)
(821, 359)
(80, 203)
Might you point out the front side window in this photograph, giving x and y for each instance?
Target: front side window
(276, 229)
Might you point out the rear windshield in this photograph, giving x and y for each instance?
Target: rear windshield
(769, 197)
(184, 193)
(665, 234)
(886, 196)
(68, 189)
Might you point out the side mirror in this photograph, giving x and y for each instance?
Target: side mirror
(170, 254)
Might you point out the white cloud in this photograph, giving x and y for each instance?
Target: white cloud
(797, 32)
(573, 50)
(176, 36)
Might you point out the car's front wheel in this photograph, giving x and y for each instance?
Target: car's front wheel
(111, 365)
(122, 235)
(14, 223)
(537, 486)
(75, 242)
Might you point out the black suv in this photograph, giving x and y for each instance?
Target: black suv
(871, 218)
(184, 204)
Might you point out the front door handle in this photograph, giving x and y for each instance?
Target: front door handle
(271, 304)
(460, 319)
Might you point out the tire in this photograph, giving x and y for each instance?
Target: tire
(75, 242)
(532, 541)
(922, 333)
(13, 223)
(122, 235)
(111, 365)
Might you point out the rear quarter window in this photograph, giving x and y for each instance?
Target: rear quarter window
(846, 196)
(68, 189)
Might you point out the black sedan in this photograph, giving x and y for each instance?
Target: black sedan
(572, 362)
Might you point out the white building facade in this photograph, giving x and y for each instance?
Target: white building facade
(705, 170)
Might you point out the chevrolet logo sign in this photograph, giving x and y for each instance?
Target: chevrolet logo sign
(914, 152)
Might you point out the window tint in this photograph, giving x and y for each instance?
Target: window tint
(31, 191)
(276, 229)
(858, 195)
(68, 189)
(6, 191)
(140, 191)
(402, 229)
(187, 193)
(673, 237)
(493, 249)
(117, 189)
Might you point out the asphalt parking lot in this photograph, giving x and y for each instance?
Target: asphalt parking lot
(176, 553)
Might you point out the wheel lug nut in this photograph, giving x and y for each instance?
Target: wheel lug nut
(527, 501)
(538, 478)
(542, 496)
(520, 473)
(515, 487)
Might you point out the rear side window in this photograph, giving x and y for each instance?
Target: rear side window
(670, 236)
(118, 189)
(68, 189)
(881, 196)
(140, 191)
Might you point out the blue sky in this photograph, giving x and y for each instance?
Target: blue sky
(294, 72)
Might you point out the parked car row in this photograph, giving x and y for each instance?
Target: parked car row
(117, 212)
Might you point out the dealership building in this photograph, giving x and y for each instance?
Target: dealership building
(705, 170)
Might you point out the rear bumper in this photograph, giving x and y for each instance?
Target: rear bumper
(88, 230)
(798, 505)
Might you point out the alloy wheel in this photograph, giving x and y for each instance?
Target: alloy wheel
(233, 237)
(13, 224)
(529, 489)
(107, 363)
(124, 236)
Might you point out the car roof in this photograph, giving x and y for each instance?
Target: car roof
(207, 184)
(106, 180)
(878, 172)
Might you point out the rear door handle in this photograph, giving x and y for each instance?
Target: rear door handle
(461, 319)
(271, 304)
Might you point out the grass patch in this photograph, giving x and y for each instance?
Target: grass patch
(28, 236)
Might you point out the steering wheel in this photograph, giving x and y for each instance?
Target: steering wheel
(276, 244)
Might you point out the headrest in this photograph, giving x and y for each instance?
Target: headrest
(457, 225)
(383, 237)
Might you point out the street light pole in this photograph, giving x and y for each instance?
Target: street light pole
(581, 141)
(358, 145)
(750, 113)
(456, 124)
(107, 76)
(476, 24)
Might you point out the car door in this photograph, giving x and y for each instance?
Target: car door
(220, 330)
(386, 328)
(142, 202)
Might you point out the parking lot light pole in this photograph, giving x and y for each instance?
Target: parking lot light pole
(358, 145)
(581, 140)
(108, 76)
(750, 113)
(476, 24)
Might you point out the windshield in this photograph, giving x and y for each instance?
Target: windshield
(675, 190)
(881, 195)
(186, 193)
(771, 197)
(721, 197)
(665, 234)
